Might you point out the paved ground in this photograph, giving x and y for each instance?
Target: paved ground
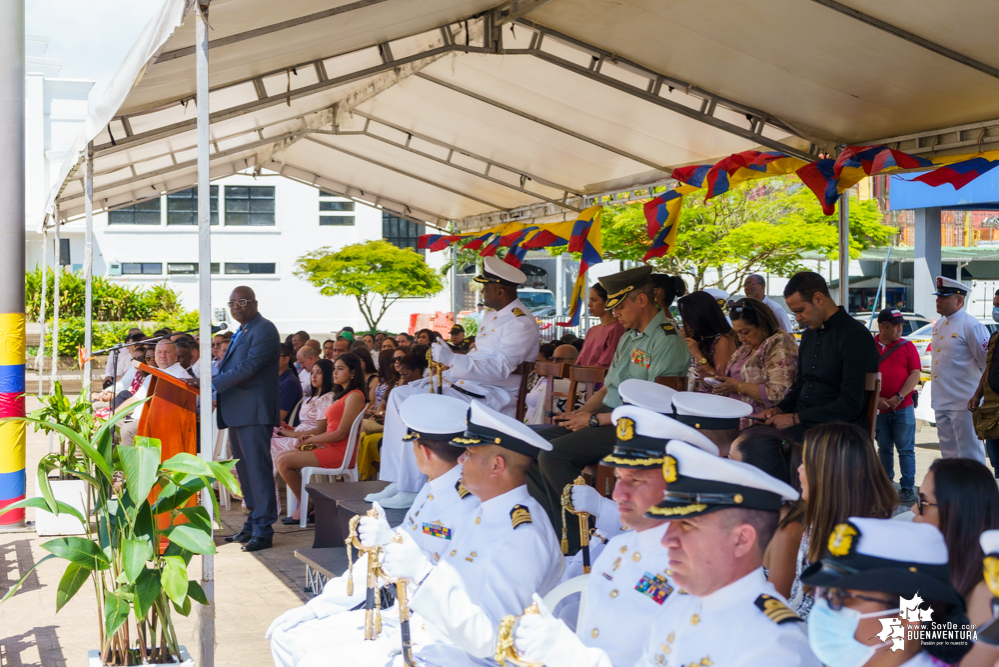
(251, 589)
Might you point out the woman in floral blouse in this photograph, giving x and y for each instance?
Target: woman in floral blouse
(761, 371)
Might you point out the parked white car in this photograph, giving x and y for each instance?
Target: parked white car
(922, 338)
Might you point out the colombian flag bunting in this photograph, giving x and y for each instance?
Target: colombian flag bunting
(961, 173)
(584, 239)
(662, 218)
(737, 169)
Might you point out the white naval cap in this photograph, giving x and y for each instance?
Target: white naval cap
(720, 295)
(489, 427)
(990, 542)
(990, 545)
(648, 395)
(889, 556)
(698, 483)
(433, 416)
(642, 435)
(948, 286)
(497, 271)
(709, 411)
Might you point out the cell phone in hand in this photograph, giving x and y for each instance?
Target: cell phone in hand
(713, 382)
(550, 413)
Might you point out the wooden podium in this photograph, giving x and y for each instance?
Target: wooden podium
(171, 416)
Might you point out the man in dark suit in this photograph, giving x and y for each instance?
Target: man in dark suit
(248, 404)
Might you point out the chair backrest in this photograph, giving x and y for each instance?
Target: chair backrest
(872, 385)
(294, 412)
(589, 376)
(567, 588)
(677, 382)
(550, 372)
(352, 440)
(221, 444)
(524, 370)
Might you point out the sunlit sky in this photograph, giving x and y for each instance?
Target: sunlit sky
(90, 37)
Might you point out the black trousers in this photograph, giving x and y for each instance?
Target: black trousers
(571, 452)
(251, 445)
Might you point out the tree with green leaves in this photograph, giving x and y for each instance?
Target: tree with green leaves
(376, 273)
(759, 227)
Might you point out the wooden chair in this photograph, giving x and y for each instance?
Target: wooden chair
(589, 376)
(872, 385)
(677, 382)
(524, 370)
(551, 372)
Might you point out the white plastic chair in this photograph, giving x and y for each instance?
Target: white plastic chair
(221, 453)
(345, 470)
(564, 590)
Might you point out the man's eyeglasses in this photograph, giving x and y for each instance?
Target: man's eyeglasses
(240, 302)
(836, 596)
(921, 503)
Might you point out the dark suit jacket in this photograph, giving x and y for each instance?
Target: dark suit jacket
(247, 383)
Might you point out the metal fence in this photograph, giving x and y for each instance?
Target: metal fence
(550, 330)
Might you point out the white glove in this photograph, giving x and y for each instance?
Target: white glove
(405, 560)
(290, 619)
(535, 634)
(586, 499)
(375, 532)
(441, 353)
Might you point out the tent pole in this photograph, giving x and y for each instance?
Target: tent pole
(57, 269)
(844, 250)
(12, 278)
(88, 267)
(454, 278)
(40, 357)
(206, 612)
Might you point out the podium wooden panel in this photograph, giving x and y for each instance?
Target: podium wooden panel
(171, 417)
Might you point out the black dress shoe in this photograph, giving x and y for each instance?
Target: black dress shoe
(288, 521)
(241, 536)
(257, 543)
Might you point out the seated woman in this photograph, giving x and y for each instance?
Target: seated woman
(326, 450)
(777, 455)
(601, 340)
(411, 368)
(368, 368)
(312, 413)
(388, 376)
(959, 496)
(763, 369)
(709, 337)
(328, 346)
(427, 337)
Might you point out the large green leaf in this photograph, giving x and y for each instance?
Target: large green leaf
(187, 463)
(225, 478)
(44, 467)
(140, 465)
(147, 589)
(134, 555)
(183, 609)
(198, 517)
(107, 430)
(39, 503)
(74, 577)
(174, 550)
(192, 538)
(78, 550)
(174, 578)
(69, 433)
(13, 589)
(115, 612)
(196, 592)
(176, 494)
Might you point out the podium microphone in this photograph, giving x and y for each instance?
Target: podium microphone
(220, 327)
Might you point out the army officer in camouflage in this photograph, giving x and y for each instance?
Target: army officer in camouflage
(651, 347)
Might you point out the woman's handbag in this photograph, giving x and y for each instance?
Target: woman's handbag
(986, 416)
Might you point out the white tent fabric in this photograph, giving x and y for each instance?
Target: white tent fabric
(470, 111)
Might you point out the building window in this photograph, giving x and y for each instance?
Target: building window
(244, 268)
(64, 259)
(182, 268)
(249, 205)
(141, 269)
(215, 268)
(400, 232)
(143, 213)
(182, 207)
(336, 220)
(336, 206)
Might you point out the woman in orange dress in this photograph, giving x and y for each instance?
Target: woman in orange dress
(349, 400)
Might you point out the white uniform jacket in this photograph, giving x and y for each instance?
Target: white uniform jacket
(744, 624)
(958, 350)
(783, 321)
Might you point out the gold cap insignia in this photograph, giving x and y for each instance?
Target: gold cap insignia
(992, 574)
(669, 469)
(841, 540)
(625, 428)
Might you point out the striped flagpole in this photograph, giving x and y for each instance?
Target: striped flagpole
(12, 475)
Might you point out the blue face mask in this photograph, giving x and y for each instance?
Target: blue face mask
(995, 314)
(831, 635)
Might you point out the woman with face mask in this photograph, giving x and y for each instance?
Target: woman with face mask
(883, 587)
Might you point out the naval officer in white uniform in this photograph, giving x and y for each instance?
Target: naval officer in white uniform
(507, 337)
(432, 421)
(958, 351)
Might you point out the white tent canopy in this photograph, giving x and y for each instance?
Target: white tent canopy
(463, 110)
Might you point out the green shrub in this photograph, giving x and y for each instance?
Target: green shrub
(71, 333)
(178, 321)
(112, 301)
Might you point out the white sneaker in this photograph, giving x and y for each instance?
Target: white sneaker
(400, 501)
(387, 492)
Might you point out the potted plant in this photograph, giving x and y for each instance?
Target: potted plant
(139, 583)
(78, 417)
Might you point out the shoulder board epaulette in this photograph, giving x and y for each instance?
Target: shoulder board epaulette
(668, 328)
(520, 515)
(775, 610)
(518, 312)
(462, 491)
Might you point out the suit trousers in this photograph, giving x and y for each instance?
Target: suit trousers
(251, 445)
(956, 432)
(571, 452)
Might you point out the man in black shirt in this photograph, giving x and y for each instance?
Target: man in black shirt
(835, 353)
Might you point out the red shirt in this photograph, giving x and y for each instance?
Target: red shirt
(896, 368)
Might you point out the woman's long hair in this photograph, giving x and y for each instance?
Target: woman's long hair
(357, 381)
(756, 314)
(703, 319)
(327, 386)
(845, 478)
(778, 455)
(367, 362)
(671, 286)
(386, 367)
(968, 503)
